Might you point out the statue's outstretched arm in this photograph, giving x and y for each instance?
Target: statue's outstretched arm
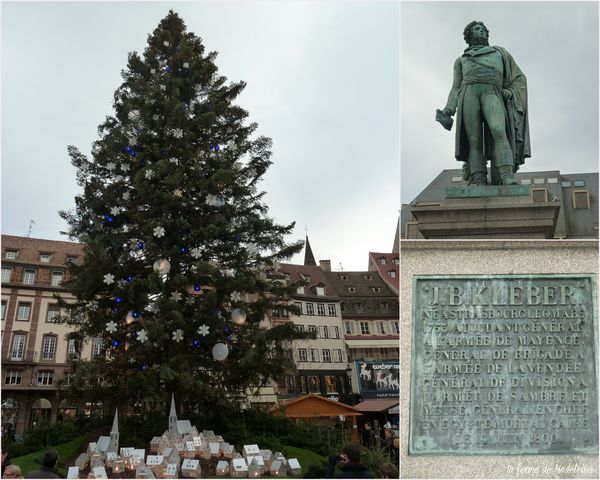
(451, 104)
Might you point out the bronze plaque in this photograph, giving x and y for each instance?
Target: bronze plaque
(504, 364)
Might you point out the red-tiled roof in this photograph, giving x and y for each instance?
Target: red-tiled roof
(391, 265)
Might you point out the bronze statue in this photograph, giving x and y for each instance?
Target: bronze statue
(489, 96)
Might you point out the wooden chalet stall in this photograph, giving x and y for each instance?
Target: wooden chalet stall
(313, 407)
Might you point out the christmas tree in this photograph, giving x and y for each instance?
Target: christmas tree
(177, 238)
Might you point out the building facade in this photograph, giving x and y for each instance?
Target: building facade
(36, 350)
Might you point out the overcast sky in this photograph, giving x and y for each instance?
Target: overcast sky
(556, 46)
(322, 83)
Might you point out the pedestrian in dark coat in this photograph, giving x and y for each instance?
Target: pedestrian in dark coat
(350, 464)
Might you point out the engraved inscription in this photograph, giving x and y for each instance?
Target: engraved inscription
(503, 364)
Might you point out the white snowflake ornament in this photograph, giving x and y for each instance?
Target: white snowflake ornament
(178, 133)
(186, 65)
(166, 43)
(176, 296)
(115, 210)
(203, 330)
(159, 232)
(126, 196)
(111, 327)
(109, 278)
(125, 167)
(178, 193)
(174, 161)
(142, 336)
(111, 166)
(196, 252)
(153, 71)
(149, 174)
(93, 305)
(178, 335)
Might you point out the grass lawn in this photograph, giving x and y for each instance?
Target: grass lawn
(65, 450)
(305, 457)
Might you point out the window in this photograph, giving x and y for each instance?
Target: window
(324, 332)
(45, 257)
(539, 194)
(565, 184)
(11, 254)
(45, 377)
(364, 328)
(300, 290)
(48, 347)
(381, 260)
(326, 355)
(320, 309)
(53, 313)
(302, 355)
(337, 356)
(336, 332)
(302, 384)
(539, 181)
(18, 346)
(313, 384)
(6, 274)
(396, 326)
(73, 349)
(310, 309)
(300, 328)
(396, 260)
(28, 276)
(342, 306)
(314, 355)
(351, 289)
(376, 289)
(579, 183)
(358, 307)
(96, 347)
(368, 277)
(525, 181)
(349, 328)
(3, 310)
(57, 278)
(312, 328)
(381, 328)
(384, 306)
(331, 310)
(330, 386)
(392, 273)
(12, 377)
(23, 311)
(457, 179)
(71, 260)
(320, 290)
(299, 306)
(343, 277)
(68, 376)
(581, 199)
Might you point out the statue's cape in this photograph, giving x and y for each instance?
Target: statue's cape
(515, 112)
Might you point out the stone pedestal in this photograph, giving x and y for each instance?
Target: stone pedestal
(485, 212)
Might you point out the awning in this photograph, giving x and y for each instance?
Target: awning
(376, 405)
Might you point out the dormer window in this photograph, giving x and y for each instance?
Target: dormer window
(381, 260)
(300, 290)
(11, 254)
(320, 290)
(45, 257)
(392, 273)
(71, 260)
(343, 277)
(351, 289)
(368, 277)
(396, 260)
(376, 289)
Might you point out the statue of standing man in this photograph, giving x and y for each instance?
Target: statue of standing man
(489, 97)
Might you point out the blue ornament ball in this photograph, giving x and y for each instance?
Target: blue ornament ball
(118, 299)
(115, 343)
(196, 342)
(141, 245)
(135, 314)
(109, 218)
(197, 287)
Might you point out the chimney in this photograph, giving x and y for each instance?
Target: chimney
(325, 265)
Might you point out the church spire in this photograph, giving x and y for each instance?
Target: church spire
(113, 445)
(173, 418)
(309, 258)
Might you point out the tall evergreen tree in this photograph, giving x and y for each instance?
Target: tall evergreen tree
(177, 237)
